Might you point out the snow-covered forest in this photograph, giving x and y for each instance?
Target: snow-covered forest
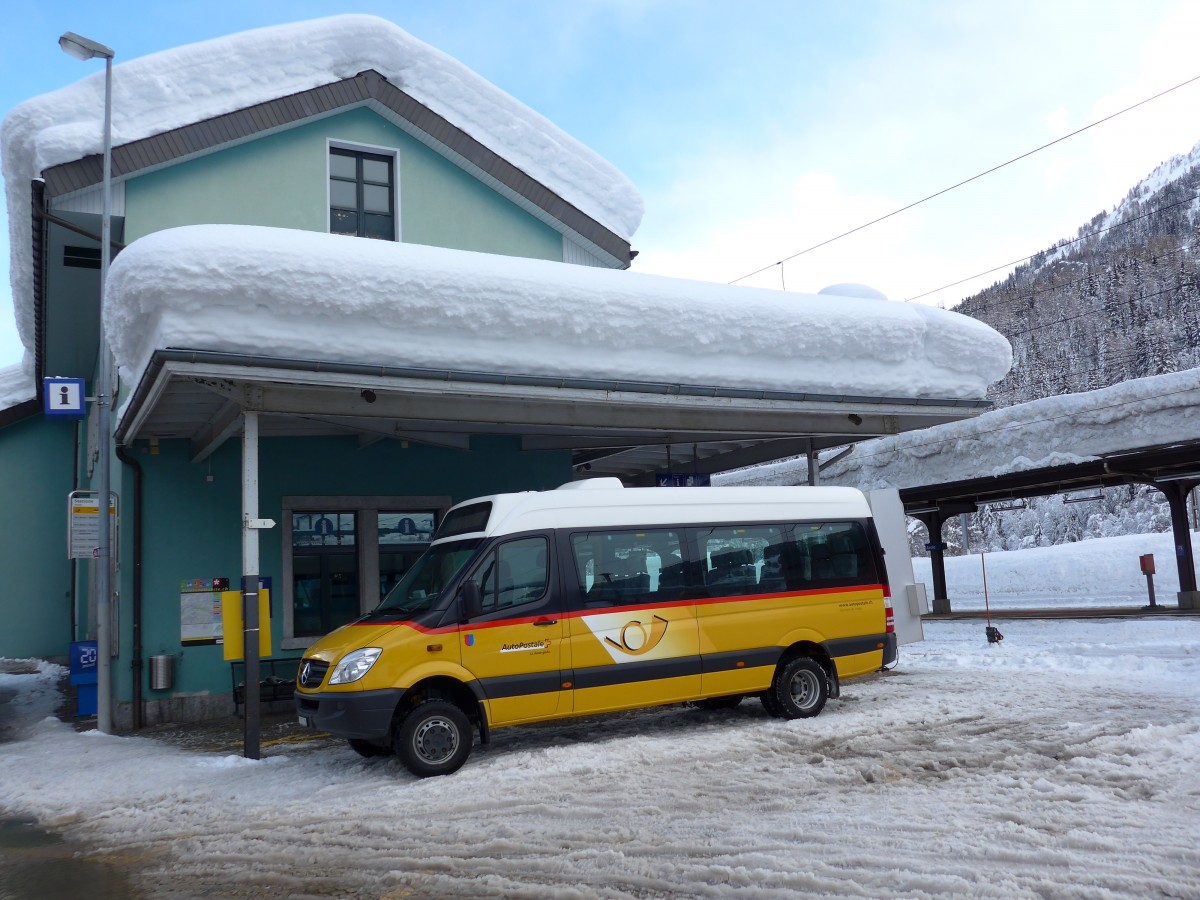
(1120, 300)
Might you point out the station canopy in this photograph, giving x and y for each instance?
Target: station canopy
(634, 374)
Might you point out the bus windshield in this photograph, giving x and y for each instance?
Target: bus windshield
(421, 585)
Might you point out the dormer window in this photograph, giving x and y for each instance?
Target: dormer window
(362, 194)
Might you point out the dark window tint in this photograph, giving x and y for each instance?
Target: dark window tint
(513, 574)
(734, 558)
(362, 194)
(465, 520)
(620, 568)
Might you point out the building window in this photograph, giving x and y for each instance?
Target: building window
(362, 194)
(324, 570)
(343, 554)
(403, 536)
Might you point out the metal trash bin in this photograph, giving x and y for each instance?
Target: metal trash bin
(162, 672)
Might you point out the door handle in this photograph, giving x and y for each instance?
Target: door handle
(541, 622)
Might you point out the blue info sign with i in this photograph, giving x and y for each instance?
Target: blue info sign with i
(63, 397)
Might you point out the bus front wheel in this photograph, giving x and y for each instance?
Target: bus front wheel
(434, 739)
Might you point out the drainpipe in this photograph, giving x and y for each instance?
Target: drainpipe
(136, 664)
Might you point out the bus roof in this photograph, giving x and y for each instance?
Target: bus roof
(604, 503)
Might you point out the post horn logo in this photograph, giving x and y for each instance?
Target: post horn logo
(638, 638)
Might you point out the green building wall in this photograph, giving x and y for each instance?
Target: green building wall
(191, 525)
(192, 528)
(281, 180)
(36, 475)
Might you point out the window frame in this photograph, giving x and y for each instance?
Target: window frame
(550, 600)
(367, 507)
(392, 153)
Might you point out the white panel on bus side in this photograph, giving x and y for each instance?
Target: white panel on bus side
(891, 523)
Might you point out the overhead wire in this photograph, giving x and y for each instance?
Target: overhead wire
(967, 181)
(1122, 224)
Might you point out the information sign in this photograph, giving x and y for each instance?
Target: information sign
(63, 397)
(684, 479)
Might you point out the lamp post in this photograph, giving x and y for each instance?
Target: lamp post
(81, 48)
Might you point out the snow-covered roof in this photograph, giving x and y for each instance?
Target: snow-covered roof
(271, 292)
(187, 84)
(1054, 431)
(16, 384)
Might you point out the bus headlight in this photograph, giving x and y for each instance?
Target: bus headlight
(355, 665)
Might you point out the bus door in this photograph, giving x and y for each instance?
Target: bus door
(516, 647)
(632, 630)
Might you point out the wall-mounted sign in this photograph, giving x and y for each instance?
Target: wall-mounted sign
(83, 524)
(63, 397)
(682, 479)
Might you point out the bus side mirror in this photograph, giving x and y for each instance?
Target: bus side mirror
(472, 601)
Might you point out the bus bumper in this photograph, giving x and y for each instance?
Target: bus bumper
(366, 715)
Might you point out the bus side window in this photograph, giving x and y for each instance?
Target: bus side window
(513, 574)
(837, 555)
(620, 568)
(734, 560)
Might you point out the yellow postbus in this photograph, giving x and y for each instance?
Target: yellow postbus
(594, 598)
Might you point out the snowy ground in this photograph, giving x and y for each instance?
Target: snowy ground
(1059, 763)
(1093, 573)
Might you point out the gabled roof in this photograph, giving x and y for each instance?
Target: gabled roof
(368, 88)
(186, 101)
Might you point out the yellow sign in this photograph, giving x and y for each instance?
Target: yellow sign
(231, 616)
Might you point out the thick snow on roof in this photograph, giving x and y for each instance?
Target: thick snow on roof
(188, 84)
(276, 292)
(1053, 431)
(16, 384)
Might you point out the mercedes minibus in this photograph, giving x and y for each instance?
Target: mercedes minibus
(594, 598)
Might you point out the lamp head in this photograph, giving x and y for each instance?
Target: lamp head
(78, 46)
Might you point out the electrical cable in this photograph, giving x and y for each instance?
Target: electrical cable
(967, 180)
(1085, 237)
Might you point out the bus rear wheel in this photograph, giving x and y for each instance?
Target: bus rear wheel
(799, 689)
(434, 739)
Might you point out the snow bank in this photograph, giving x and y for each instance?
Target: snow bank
(1098, 572)
(28, 694)
(1144, 412)
(276, 292)
(177, 87)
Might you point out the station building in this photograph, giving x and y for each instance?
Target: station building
(385, 286)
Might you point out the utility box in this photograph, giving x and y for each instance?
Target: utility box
(1147, 561)
(918, 598)
(84, 676)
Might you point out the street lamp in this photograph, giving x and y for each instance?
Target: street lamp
(81, 48)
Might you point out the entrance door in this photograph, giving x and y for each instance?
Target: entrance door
(515, 648)
(324, 571)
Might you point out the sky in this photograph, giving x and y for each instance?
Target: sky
(758, 133)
